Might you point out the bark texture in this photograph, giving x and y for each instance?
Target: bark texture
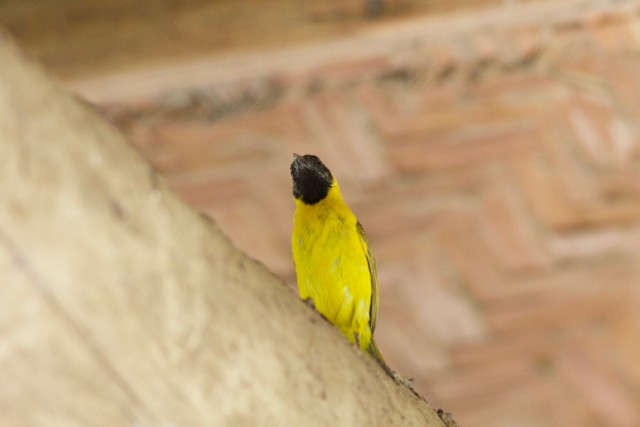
(122, 306)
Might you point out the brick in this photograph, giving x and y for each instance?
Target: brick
(603, 392)
(492, 158)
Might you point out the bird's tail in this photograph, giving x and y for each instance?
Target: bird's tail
(373, 350)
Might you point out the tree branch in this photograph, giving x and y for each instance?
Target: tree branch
(122, 306)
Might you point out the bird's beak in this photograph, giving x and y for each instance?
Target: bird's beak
(298, 161)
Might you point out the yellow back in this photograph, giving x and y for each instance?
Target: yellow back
(332, 265)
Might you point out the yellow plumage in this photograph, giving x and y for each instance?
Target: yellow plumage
(334, 265)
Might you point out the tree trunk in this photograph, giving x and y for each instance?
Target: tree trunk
(122, 306)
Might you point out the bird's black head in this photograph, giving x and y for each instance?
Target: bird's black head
(311, 179)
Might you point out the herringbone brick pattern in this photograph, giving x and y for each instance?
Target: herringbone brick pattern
(494, 160)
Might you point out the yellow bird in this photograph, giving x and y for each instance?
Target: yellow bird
(335, 269)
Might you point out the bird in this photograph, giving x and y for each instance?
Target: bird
(335, 267)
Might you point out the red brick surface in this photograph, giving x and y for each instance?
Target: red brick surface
(493, 159)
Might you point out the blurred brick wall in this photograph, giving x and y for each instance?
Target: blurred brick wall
(492, 157)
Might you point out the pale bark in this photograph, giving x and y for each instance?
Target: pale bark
(119, 305)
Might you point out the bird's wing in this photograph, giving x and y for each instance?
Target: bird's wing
(375, 293)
